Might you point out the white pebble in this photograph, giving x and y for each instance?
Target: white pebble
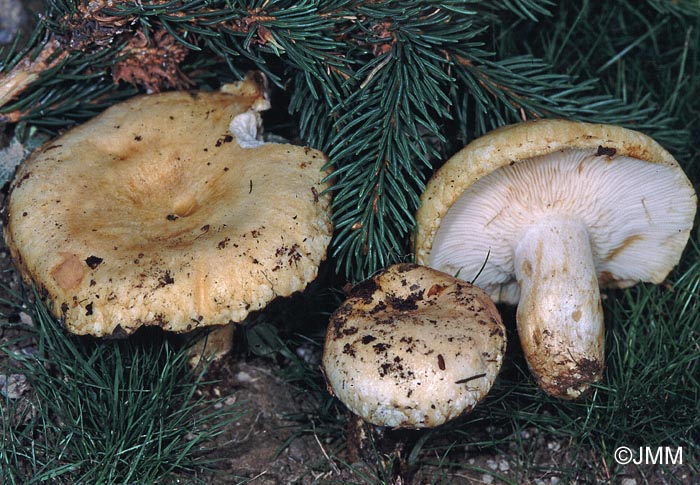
(244, 377)
(25, 319)
(14, 386)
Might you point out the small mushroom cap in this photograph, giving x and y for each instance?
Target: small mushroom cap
(152, 214)
(413, 348)
(629, 192)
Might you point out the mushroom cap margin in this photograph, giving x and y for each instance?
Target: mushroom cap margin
(189, 261)
(413, 347)
(512, 144)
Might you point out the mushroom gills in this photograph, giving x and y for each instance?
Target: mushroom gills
(559, 316)
(609, 206)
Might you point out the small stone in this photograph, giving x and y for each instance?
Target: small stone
(30, 350)
(628, 481)
(12, 18)
(243, 377)
(309, 354)
(13, 386)
(26, 319)
(485, 478)
(296, 451)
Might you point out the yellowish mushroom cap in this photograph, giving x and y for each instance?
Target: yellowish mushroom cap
(639, 214)
(413, 348)
(543, 213)
(152, 214)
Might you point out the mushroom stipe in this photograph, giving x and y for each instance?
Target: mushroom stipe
(556, 209)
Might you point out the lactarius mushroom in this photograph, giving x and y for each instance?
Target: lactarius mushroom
(413, 348)
(153, 214)
(544, 213)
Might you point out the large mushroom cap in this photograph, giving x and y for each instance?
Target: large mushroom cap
(152, 214)
(628, 189)
(413, 347)
(545, 211)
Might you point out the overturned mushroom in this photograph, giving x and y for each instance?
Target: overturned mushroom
(153, 214)
(544, 212)
(413, 348)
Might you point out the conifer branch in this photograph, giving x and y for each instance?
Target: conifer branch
(387, 89)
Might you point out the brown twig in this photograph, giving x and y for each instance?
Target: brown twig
(153, 63)
(28, 70)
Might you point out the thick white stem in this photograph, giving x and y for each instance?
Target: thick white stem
(560, 318)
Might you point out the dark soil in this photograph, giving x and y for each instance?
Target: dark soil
(266, 447)
(275, 443)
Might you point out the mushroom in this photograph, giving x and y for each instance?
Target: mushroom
(413, 348)
(153, 214)
(543, 213)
